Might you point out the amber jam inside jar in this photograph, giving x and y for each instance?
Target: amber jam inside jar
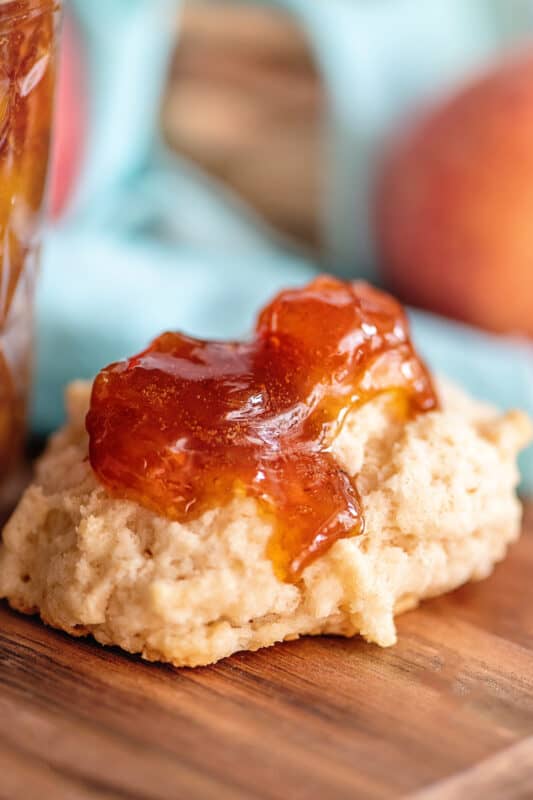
(27, 76)
(188, 424)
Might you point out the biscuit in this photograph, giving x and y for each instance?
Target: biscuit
(440, 506)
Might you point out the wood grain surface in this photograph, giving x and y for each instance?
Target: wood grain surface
(446, 714)
(245, 102)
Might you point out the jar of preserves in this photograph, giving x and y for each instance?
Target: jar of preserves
(28, 36)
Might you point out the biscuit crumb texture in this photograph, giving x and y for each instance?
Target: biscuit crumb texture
(440, 508)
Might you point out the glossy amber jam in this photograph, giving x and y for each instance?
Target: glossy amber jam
(188, 424)
(27, 76)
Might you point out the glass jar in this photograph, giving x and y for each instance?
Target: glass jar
(28, 35)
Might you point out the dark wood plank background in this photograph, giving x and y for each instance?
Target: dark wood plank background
(448, 713)
(245, 101)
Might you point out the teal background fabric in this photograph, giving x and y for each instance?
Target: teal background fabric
(150, 243)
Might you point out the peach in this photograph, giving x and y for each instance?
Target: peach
(71, 118)
(454, 204)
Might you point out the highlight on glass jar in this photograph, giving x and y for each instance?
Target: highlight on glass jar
(28, 35)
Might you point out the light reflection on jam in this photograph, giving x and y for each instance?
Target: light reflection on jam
(188, 424)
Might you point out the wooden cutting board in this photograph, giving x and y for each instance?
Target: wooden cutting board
(446, 714)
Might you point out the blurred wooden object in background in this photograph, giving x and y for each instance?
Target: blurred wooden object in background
(245, 102)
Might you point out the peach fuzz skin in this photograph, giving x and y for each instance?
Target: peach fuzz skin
(454, 203)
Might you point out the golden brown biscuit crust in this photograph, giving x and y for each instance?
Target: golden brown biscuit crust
(440, 508)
